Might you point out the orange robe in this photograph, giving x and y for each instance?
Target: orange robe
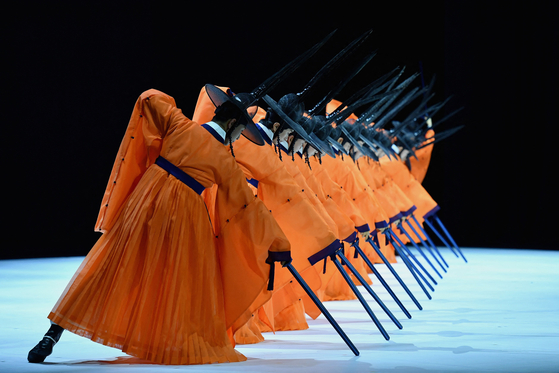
(410, 186)
(418, 167)
(346, 226)
(294, 171)
(295, 211)
(357, 189)
(342, 220)
(302, 224)
(341, 291)
(346, 204)
(334, 191)
(345, 174)
(348, 207)
(386, 191)
(160, 284)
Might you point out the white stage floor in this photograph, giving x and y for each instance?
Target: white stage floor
(497, 313)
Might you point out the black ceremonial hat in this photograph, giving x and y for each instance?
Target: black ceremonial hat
(244, 101)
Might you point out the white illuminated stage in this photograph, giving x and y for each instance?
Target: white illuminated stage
(497, 313)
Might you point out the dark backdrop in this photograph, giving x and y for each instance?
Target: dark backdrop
(72, 73)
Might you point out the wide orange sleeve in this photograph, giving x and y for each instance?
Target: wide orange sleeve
(246, 233)
(410, 186)
(382, 195)
(419, 166)
(138, 150)
(346, 226)
(376, 174)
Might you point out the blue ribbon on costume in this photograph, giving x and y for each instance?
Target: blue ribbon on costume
(355, 244)
(253, 182)
(394, 218)
(432, 212)
(375, 239)
(381, 224)
(325, 253)
(363, 228)
(409, 211)
(180, 174)
(351, 237)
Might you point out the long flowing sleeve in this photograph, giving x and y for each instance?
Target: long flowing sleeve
(410, 186)
(419, 166)
(139, 148)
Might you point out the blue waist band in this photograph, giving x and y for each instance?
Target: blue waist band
(180, 174)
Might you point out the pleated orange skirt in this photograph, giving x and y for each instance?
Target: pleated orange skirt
(151, 286)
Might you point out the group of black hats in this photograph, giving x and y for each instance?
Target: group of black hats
(373, 133)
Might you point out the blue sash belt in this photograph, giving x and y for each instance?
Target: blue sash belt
(180, 174)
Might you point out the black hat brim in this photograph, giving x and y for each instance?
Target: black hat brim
(324, 146)
(219, 97)
(336, 145)
(374, 143)
(370, 145)
(358, 146)
(289, 122)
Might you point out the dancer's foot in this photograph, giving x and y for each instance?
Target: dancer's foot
(44, 348)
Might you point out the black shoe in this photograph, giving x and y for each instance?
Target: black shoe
(43, 349)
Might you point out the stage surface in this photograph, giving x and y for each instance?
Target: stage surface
(496, 313)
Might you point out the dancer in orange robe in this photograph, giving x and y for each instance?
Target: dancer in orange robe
(302, 224)
(342, 290)
(298, 218)
(335, 286)
(160, 284)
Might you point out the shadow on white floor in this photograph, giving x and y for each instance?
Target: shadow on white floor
(496, 313)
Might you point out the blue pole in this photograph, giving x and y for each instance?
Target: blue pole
(449, 236)
(393, 271)
(429, 240)
(418, 249)
(410, 255)
(425, 245)
(415, 273)
(368, 288)
(430, 224)
(322, 309)
(360, 297)
(381, 279)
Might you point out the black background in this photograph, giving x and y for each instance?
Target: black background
(73, 71)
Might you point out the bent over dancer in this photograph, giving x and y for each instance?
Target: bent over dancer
(160, 284)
